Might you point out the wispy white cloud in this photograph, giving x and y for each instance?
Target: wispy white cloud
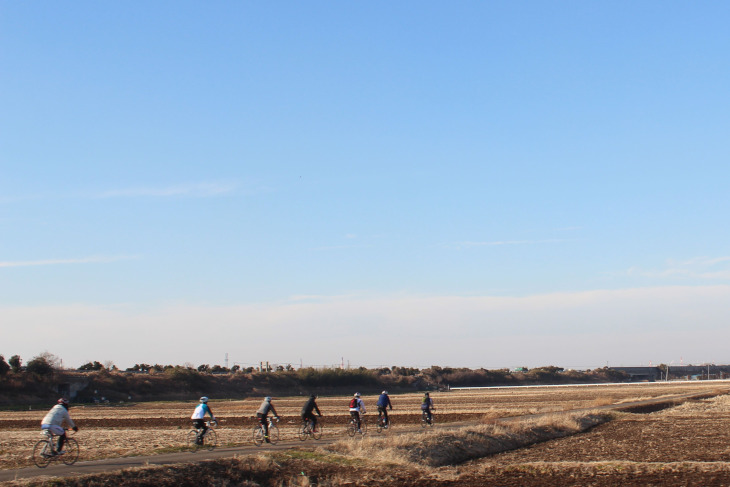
(495, 243)
(96, 259)
(340, 247)
(189, 189)
(709, 268)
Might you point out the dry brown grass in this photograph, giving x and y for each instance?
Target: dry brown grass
(439, 448)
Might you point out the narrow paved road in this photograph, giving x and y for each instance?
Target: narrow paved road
(112, 464)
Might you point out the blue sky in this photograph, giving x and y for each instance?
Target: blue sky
(474, 184)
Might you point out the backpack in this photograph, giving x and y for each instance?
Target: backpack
(353, 402)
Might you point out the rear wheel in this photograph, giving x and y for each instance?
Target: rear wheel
(304, 431)
(352, 428)
(210, 440)
(71, 447)
(317, 431)
(258, 435)
(42, 454)
(379, 424)
(193, 440)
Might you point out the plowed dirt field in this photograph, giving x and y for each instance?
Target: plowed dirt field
(684, 445)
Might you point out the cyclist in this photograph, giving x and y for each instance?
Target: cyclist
(308, 411)
(198, 417)
(56, 421)
(427, 406)
(262, 415)
(357, 407)
(383, 404)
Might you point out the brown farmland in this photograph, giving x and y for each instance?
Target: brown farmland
(683, 442)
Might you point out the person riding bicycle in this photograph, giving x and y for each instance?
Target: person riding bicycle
(199, 416)
(357, 407)
(262, 415)
(308, 411)
(427, 406)
(384, 403)
(56, 422)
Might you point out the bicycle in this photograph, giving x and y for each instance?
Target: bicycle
(352, 429)
(44, 452)
(209, 439)
(258, 432)
(307, 429)
(381, 424)
(426, 419)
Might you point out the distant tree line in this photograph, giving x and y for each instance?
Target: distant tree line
(41, 366)
(42, 377)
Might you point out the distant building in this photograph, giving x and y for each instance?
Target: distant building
(641, 374)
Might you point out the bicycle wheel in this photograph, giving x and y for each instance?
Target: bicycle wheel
(193, 440)
(258, 435)
(71, 447)
(363, 427)
(273, 434)
(210, 440)
(41, 454)
(317, 432)
(379, 425)
(424, 420)
(352, 428)
(304, 431)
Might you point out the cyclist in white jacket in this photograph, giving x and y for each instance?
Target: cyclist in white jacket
(56, 422)
(357, 407)
(198, 418)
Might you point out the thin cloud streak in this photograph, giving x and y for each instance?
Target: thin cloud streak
(193, 190)
(496, 243)
(83, 260)
(706, 268)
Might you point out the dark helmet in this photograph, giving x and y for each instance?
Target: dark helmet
(427, 393)
(313, 396)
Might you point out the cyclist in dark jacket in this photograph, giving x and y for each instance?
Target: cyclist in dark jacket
(383, 405)
(308, 411)
(427, 406)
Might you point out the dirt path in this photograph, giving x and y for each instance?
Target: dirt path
(112, 464)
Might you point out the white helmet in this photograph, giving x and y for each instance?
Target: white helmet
(267, 399)
(204, 399)
(357, 394)
(385, 392)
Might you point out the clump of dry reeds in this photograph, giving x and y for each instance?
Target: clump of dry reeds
(452, 447)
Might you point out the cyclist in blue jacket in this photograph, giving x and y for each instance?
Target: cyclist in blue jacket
(383, 405)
